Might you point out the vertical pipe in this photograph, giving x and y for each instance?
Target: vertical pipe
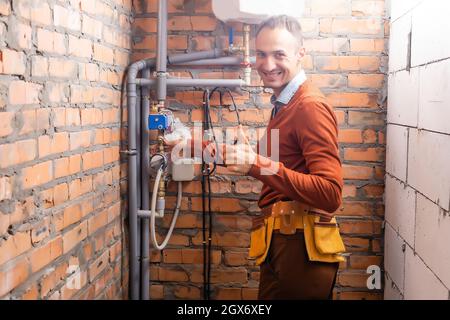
(161, 58)
(145, 203)
(132, 184)
(138, 146)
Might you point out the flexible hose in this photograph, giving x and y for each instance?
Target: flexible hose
(153, 211)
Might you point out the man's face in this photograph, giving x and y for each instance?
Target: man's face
(277, 57)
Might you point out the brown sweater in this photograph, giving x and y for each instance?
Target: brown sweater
(309, 166)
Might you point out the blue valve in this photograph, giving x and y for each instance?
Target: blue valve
(230, 36)
(158, 122)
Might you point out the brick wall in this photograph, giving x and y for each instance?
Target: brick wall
(61, 68)
(346, 45)
(418, 152)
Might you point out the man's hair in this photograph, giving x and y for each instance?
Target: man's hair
(289, 23)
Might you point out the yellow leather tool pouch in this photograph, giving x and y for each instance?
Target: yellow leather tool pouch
(327, 237)
(258, 243)
(323, 243)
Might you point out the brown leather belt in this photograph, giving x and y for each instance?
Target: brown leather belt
(258, 221)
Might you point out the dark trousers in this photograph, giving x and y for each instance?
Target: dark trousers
(287, 272)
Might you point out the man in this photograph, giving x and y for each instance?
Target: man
(299, 254)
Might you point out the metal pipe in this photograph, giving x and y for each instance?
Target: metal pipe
(138, 146)
(145, 202)
(193, 56)
(132, 179)
(161, 58)
(194, 82)
(223, 61)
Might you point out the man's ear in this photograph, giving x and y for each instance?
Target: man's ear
(301, 53)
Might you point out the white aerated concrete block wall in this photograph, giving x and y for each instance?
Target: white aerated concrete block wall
(417, 197)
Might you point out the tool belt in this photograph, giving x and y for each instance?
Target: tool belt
(322, 238)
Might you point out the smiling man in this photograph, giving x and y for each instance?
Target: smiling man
(296, 239)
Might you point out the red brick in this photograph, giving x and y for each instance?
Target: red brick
(328, 80)
(39, 66)
(103, 54)
(234, 222)
(59, 117)
(355, 208)
(45, 254)
(5, 8)
(200, 43)
(66, 18)
(12, 62)
(219, 205)
(368, 8)
(357, 172)
(229, 294)
(156, 292)
(31, 293)
(349, 191)
(88, 71)
(14, 246)
(37, 12)
(166, 274)
(21, 92)
(97, 221)
(72, 117)
(18, 152)
(58, 143)
(374, 81)
(80, 47)
(370, 26)
(56, 92)
(73, 237)
(367, 45)
(48, 41)
(360, 118)
(36, 175)
(364, 154)
(92, 27)
(363, 262)
(21, 37)
(330, 7)
(203, 23)
(92, 159)
(373, 191)
(226, 239)
(250, 293)
(350, 136)
(61, 68)
(79, 187)
(356, 244)
(229, 275)
(13, 275)
(354, 99)
(81, 139)
(177, 42)
(60, 193)
(187, 292)
(51, 279)
(236, 258)
(6, 125)
(359, 227)
(98, 265)
(40, 230)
